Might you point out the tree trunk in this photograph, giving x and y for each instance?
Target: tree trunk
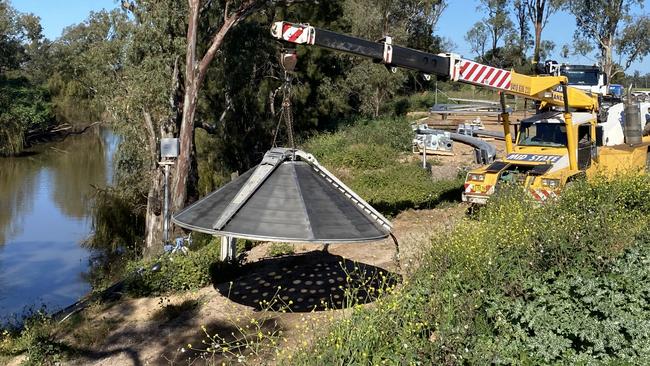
(185, 177)
(377, 103)
(538, 42)
(494, 43)
(154, 216)
(186, 133)
(607, 59)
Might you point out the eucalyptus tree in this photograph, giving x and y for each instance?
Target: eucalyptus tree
(167, 68)
(477, 37)
(521, 24)
(172, 108)
(497, 22)
(609, 26)
(198, 58)
(538, 12)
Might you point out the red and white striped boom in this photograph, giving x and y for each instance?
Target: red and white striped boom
(456, 69)
(474, 73)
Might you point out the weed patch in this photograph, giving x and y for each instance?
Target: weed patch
(36, 340)
(519, 283)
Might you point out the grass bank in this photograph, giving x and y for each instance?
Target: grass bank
(374, 158)
(564, 283)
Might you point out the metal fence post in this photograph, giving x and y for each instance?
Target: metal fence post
(228, 248)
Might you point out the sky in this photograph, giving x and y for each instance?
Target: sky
(457, 19)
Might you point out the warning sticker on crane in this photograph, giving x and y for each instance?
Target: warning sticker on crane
(297, 33)
(543, 195)
(479, 188)
(476, 73)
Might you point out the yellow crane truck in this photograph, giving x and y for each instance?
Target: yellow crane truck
(571, 136)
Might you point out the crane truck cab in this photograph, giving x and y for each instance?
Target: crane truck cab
(539, 160)
(588, 78)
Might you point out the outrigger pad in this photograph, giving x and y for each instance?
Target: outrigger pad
(288, 197)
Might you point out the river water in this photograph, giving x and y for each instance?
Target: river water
(45, 217)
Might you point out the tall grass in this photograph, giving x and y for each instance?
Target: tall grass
(12, 137)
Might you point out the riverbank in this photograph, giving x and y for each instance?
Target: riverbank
(465, 289)
(166, 291)
(157, 329)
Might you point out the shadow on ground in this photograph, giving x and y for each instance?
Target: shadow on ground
(312, 281)
(175, 327)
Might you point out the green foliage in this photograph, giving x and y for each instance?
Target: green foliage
(116, 222)
(12, 136)
(17, 31)
(372, 158)
(210, 161)
(610, 28)
(24, 107)
(421, 102)
(386, 133)
(24, 104)
(577, 317)
(402, 186)
(518, 284)
(363, 156)
(177, 272)
(279, 249)
(36, 339)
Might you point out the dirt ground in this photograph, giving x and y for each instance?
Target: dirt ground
(159, 330)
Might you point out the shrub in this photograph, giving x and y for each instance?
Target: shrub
(279, 249)
(36, 339)
(394, 134)
(116, 221)
(23, 107)
(401, 106)
(519, 283)
(403, 186)
(424, 101)
(362, 156)
(177, 272)
(574, 318)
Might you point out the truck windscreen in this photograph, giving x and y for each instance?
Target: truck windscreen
(581, 77)
(542, 134)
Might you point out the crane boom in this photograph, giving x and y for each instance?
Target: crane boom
(447, 66)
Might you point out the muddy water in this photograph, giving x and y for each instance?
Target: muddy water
(44, 219)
